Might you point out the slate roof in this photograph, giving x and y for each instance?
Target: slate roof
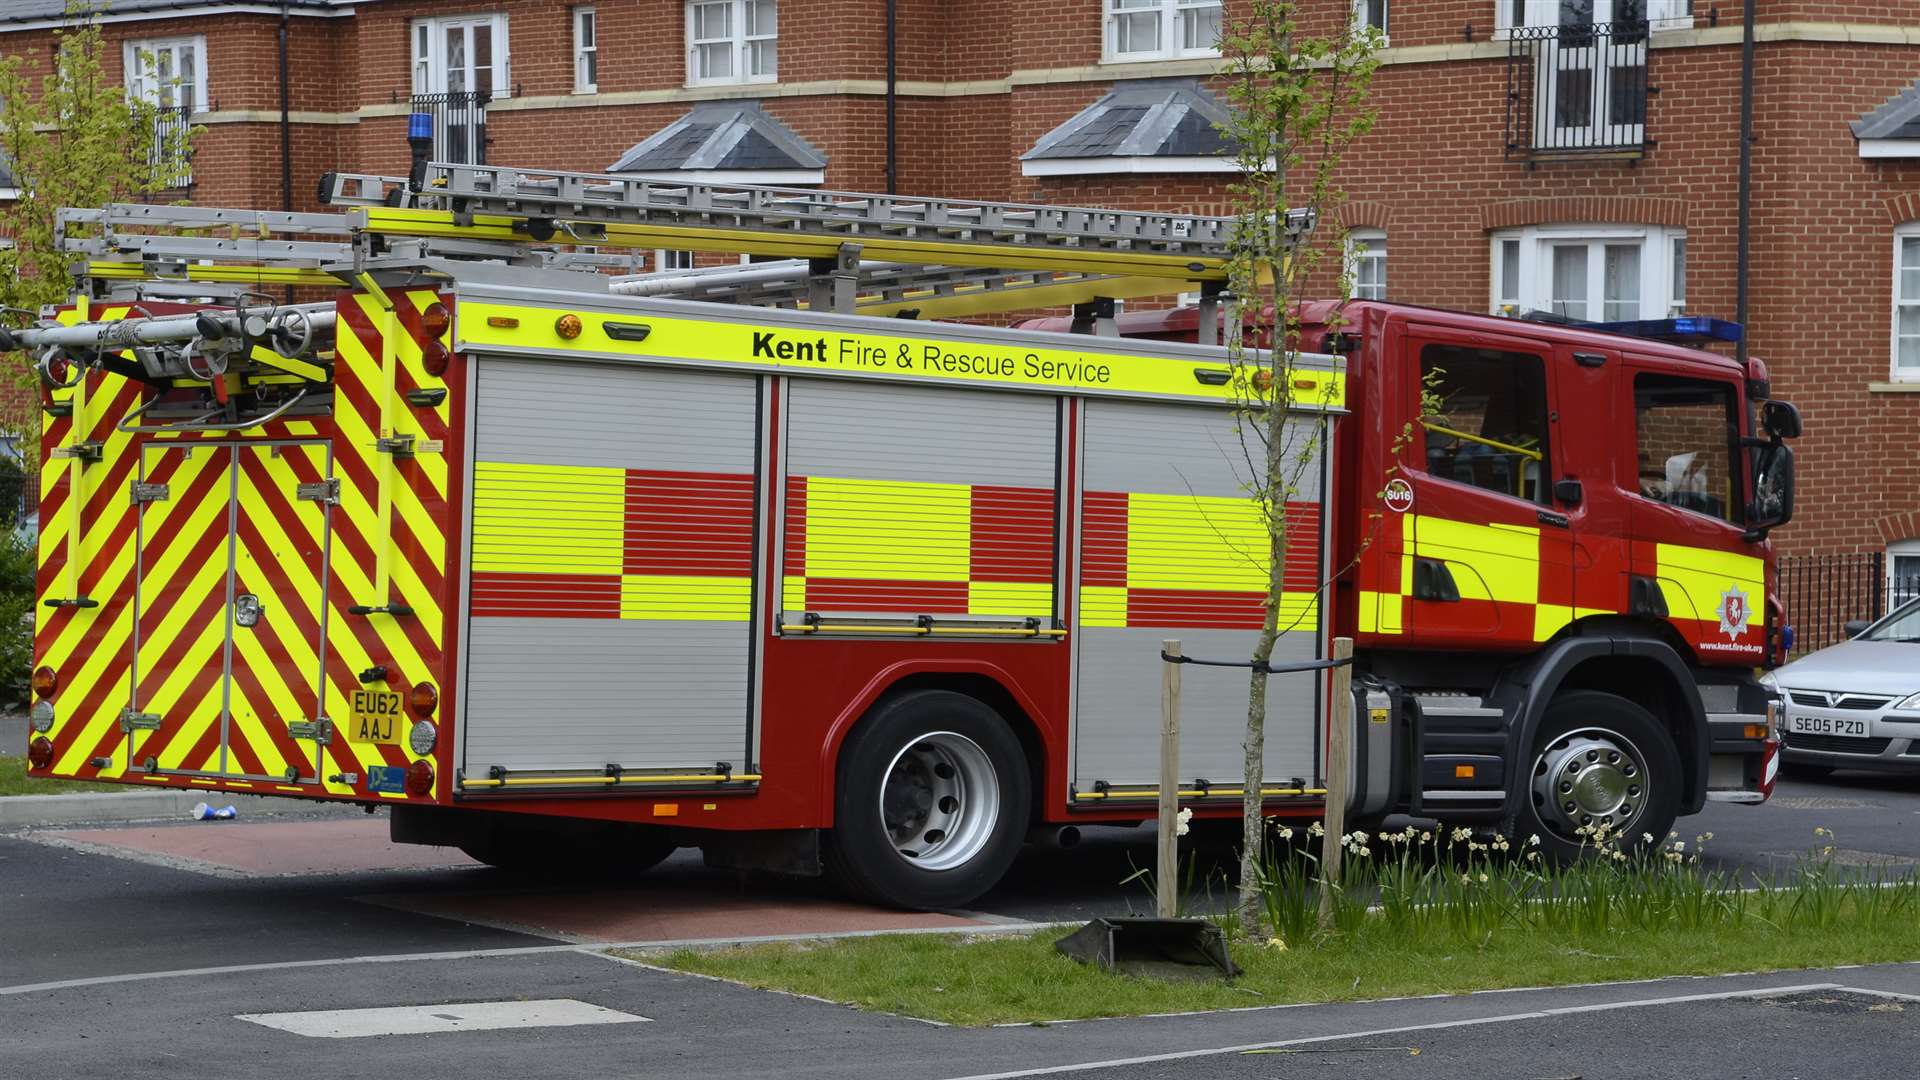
(36, 10)
(1897, 118)
(722, 135)
(1141, 118)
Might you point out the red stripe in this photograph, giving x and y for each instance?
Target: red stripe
(1195, 608)
(795, 556)
(557, 596)
(1103, 539)
(914, 597)
(698, 524)
(1012, 534)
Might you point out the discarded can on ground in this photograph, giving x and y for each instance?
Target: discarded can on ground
(203, 812)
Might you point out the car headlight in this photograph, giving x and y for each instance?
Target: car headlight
(1767, 680)
(1908, 704)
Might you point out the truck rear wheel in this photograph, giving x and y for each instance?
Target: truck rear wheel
(1597, 760)
(931, 802)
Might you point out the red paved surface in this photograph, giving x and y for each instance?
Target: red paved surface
(665, 914)
(281, 847)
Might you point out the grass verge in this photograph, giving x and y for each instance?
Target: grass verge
(1023, 979)
(15, 781)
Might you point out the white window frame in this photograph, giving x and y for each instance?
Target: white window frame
(1171, 13)
(1900, 549)
(1366, 245)
(1361, 21)
(429, 53)
(142, 77)
(1901, 234)
(672, 259)
(586, 51)
(1535, 278)
(741, 40)
(1661, 14)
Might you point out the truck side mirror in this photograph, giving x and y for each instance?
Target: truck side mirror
(1772, 504)
(1780, 420)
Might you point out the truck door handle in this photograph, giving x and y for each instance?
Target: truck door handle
(1568, 491)
(1433, 581)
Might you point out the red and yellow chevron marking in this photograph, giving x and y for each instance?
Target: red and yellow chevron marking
(1192, 561)
(391, 527)
(911, 547)
(589, 542)
(155, 641)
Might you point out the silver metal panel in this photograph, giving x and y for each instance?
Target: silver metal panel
(568, 413)
(585, 693)
(880, 431)
(1118, 712)
(1182, 449)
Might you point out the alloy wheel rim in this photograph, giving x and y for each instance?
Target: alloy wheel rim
(940, 800)
(1590, 778)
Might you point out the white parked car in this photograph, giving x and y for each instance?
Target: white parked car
(1855, 705)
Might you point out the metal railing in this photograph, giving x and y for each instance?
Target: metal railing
(1577, 89)
(459, 124)
(171, 155)
(1822, 593)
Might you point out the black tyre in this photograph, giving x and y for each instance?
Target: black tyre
(1804, 770)
(559, 848)
(931, 802)
(1597, 759)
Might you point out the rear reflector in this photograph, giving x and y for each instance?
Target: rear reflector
(40, 753)
(435, 358)
(419, 777)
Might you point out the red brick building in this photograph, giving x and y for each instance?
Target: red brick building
(1569, 155)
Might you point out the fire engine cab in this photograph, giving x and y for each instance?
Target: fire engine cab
(569, 567)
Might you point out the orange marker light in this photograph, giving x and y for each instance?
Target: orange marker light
(1263, 380)
(424, 699)
(435, 319)
(1463, 772)
(568, 326)
(502, 322)
(45, 681)
(666, 809)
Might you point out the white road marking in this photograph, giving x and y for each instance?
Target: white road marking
(436, 1019)
(481, 954)
(1538, 1014)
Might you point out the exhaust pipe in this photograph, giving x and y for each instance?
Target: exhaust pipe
(1057, 837)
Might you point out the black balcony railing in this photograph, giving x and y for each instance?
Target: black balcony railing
(459, 124)
(1823, 593)
(1577, 89)
(171, 155)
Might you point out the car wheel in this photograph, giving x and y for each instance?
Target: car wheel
(931, 803)
(1597, 760)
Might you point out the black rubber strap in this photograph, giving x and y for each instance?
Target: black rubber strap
(1263, 668)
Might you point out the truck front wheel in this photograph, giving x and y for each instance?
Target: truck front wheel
(931, 802)
(1598, 761)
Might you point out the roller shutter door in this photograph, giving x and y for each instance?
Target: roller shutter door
(1172, 546)
(612, 568)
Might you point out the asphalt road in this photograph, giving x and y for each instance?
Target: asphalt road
(79, 916)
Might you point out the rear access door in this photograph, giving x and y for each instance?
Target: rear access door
(230, 610)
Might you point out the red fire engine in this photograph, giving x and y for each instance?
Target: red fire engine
(564, 567)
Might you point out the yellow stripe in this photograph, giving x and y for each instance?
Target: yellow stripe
(1016, 598)
(888, 529)
(1500, 562)
(555, 519)
(827, 351)
(1103, 605)
(706, 599)
(1195, 542)
(793, 594)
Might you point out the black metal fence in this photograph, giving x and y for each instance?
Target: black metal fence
(1822, 593)
(459, 124)
(1576, 89)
